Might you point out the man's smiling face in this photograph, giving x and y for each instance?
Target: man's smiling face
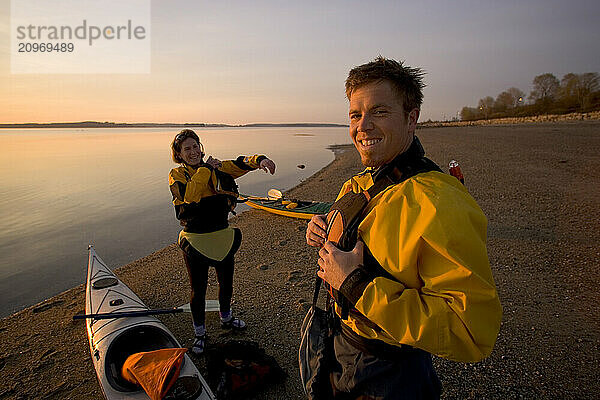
(379, 126)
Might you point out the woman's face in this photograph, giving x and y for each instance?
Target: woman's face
(191, 152)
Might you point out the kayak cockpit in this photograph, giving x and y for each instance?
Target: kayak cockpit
(103, 283)
(134, 340)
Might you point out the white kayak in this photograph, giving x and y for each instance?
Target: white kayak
(112, 340)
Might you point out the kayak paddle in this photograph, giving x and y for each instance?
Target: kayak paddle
(211, 305)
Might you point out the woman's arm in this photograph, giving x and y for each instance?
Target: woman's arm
(244, 164)
(190, 188)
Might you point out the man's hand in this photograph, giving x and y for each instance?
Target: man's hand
(213, 162)
(335, 265)
(316, 234)
(267, 166)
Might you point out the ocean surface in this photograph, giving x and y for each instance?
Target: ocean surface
(63, 189)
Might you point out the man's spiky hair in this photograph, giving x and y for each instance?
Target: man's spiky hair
(407, 81)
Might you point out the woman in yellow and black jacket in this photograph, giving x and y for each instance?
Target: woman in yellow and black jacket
(204, 192)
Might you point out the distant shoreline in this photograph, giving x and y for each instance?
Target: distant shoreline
(547, 118)
(94, 124)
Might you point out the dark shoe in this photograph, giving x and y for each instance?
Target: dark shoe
(199, 345)
(233, 323)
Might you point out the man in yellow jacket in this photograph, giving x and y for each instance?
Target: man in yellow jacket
(418, 279)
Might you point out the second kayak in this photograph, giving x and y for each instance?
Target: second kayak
(289, 208)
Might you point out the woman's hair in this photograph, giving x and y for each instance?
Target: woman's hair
(176, 144)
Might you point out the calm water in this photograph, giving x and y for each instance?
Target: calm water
(63, 189)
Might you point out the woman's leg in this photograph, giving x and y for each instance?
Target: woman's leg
(224, 270)
(225, 277)
(197, 267)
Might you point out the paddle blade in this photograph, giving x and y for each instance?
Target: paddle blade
(274, 194)
(211, 305)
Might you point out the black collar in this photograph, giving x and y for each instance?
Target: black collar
(414, 152)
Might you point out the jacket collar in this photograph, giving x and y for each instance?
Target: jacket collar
(414, 151)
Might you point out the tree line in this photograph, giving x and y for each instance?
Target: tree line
(573, 93)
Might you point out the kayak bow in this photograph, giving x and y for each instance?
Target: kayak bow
(113, 340)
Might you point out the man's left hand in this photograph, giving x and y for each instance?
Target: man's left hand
(335, 265)
(267, 166)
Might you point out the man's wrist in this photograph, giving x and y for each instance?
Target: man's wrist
(355, 283)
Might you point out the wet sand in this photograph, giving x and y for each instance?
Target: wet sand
(539, 186)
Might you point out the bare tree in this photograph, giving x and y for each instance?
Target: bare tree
(468, 113)
(588, 84)
(580, 87)
(568, 86)
(517, 95)
(545, 88)
(504, 101)
(486, 105)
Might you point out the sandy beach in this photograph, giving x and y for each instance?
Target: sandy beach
(539, 186)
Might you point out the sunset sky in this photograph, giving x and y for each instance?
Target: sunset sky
(269, 61)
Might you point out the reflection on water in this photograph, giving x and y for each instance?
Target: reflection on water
(63, 189)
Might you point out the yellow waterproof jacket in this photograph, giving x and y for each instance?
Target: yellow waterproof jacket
(430, 235)
(204, 196)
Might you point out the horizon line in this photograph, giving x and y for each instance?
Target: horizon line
(109, 124)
